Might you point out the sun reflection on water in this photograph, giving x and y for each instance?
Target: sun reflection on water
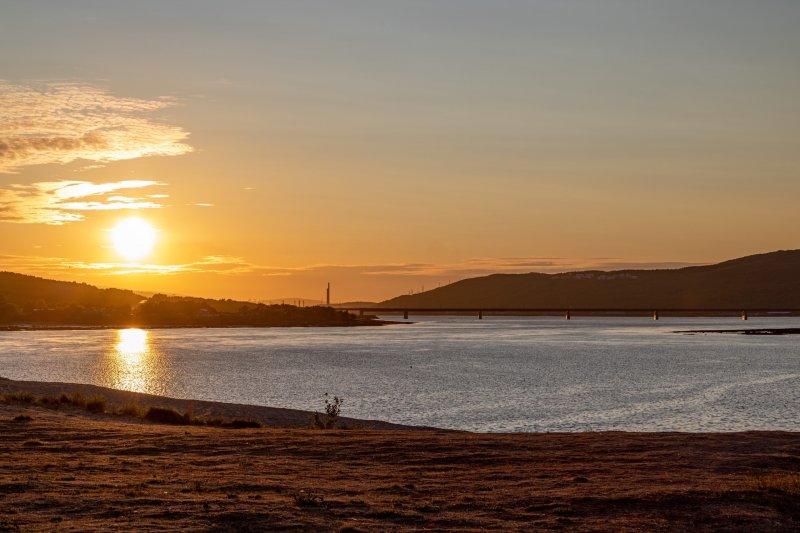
(132, 361)
(132, 343)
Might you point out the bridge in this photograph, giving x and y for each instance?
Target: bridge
(568, 312)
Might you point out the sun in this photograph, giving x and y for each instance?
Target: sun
(133, 238)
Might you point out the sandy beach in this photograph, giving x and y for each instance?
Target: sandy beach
(267, 416)
(67, 469)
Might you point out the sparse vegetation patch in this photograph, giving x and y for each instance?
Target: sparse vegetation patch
(333, 410)
(167, 415)
(100, 405)
(308, 499)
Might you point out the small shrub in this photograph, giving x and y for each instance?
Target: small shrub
(131, 409)
(307, 499)
(76, 399)
(236, 423)
(239, 423)
(22, 418)
(50, 402)
(165, 415)
(23, 398)
(96, 405)
(333, 410)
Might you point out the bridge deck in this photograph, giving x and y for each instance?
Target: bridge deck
(564, 309)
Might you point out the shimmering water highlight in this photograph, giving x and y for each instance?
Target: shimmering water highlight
(498, 374)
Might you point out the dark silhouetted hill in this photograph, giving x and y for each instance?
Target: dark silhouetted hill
(29, 291)
(161, 310)
(767, 281)
(37, 300)
(350, 305)
(44, 302)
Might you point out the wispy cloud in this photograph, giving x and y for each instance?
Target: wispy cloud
(43, 265)
(234, 265)
(487, 266)
(458, 270)
(120, 268)
(472, 267)
(61, 202)
(212, 264)
(63, 122)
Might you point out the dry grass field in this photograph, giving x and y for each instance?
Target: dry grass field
(69, 469)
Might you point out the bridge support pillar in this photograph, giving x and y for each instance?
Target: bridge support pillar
(567, 316)
(744, 315)
(655, 315)
(405, 315)
(480, 315)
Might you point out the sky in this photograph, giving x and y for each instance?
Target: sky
(390, 147)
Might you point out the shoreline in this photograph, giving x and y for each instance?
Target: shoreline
(277, 417)
(271, 417)
(79, 327)
(750, 331)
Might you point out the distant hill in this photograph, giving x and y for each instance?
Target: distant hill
(30, 291)
(350, 305)
(770, 280)
(38, 301)
(30, 299)
(161, 310)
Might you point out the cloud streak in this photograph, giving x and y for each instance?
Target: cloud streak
(63, 122)
(42, 265)
(233, 265)
(468, 268)
(61, 202)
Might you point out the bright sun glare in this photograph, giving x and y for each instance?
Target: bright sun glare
(133, 238)
(132, 342)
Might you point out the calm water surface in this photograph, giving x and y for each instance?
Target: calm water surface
(498, 374)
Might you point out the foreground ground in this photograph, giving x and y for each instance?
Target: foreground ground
(68, 470)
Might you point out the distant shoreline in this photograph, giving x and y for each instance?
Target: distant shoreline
(753, 331)
(79, 327)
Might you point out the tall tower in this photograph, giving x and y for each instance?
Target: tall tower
(328, 294)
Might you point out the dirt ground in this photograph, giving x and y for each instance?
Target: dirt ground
(68, 470)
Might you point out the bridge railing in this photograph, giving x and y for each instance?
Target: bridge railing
(569, 312)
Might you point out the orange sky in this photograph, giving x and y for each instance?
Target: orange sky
(391, 147)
